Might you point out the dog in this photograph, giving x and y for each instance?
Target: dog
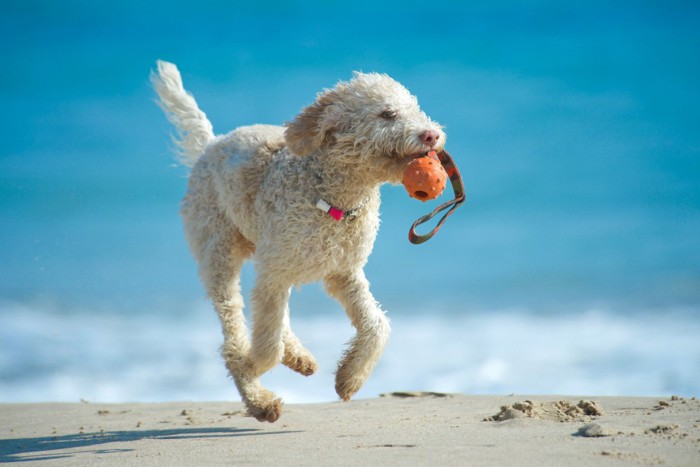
(302, 201)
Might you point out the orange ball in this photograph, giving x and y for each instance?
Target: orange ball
(424, 178)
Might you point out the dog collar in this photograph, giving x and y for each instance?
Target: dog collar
(335, 213)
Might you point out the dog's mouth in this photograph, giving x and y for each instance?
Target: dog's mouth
(416, 155)
(410, 150)
(409, 156)
(421, 150)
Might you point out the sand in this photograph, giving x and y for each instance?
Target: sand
(403, 428)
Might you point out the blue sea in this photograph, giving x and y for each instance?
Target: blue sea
(573, 267)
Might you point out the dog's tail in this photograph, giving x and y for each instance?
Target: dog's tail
(193, 127)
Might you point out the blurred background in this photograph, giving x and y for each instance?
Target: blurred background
(573, 268)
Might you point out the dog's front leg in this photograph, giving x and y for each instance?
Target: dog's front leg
(269, 300)
(296, 356)
(351, 289)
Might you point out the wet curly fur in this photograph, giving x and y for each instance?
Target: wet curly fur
(252, 194)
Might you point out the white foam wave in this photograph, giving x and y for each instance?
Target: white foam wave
(48, 354)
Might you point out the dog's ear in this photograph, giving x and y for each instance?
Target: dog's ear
(313, 125)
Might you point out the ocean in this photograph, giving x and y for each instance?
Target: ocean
(573, 267)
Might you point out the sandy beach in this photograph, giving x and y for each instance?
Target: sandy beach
(402, 428)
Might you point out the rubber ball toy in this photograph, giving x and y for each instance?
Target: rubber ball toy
(425, 178)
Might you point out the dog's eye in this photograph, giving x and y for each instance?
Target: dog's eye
(389, 115)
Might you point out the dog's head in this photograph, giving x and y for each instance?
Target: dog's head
(370, 119)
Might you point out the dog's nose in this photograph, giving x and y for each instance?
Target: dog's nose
(429, 137)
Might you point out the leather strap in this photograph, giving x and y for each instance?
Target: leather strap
(458, 189)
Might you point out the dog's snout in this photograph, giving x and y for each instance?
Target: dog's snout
(430, 138)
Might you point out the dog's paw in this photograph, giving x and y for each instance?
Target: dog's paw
(346, 385)
(301, 362)
(269, 411)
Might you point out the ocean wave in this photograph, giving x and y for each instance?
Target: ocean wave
(49, 353)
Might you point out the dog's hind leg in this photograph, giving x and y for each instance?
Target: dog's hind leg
(296, 356)
(221, 252)
(221, 270)
(224, 289)
(351, 289)
(269, 302)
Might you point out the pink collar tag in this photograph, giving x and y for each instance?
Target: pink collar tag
(335, 213)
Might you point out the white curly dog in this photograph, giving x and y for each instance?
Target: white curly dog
(303, 202)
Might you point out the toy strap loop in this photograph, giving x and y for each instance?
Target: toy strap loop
(458, 189)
